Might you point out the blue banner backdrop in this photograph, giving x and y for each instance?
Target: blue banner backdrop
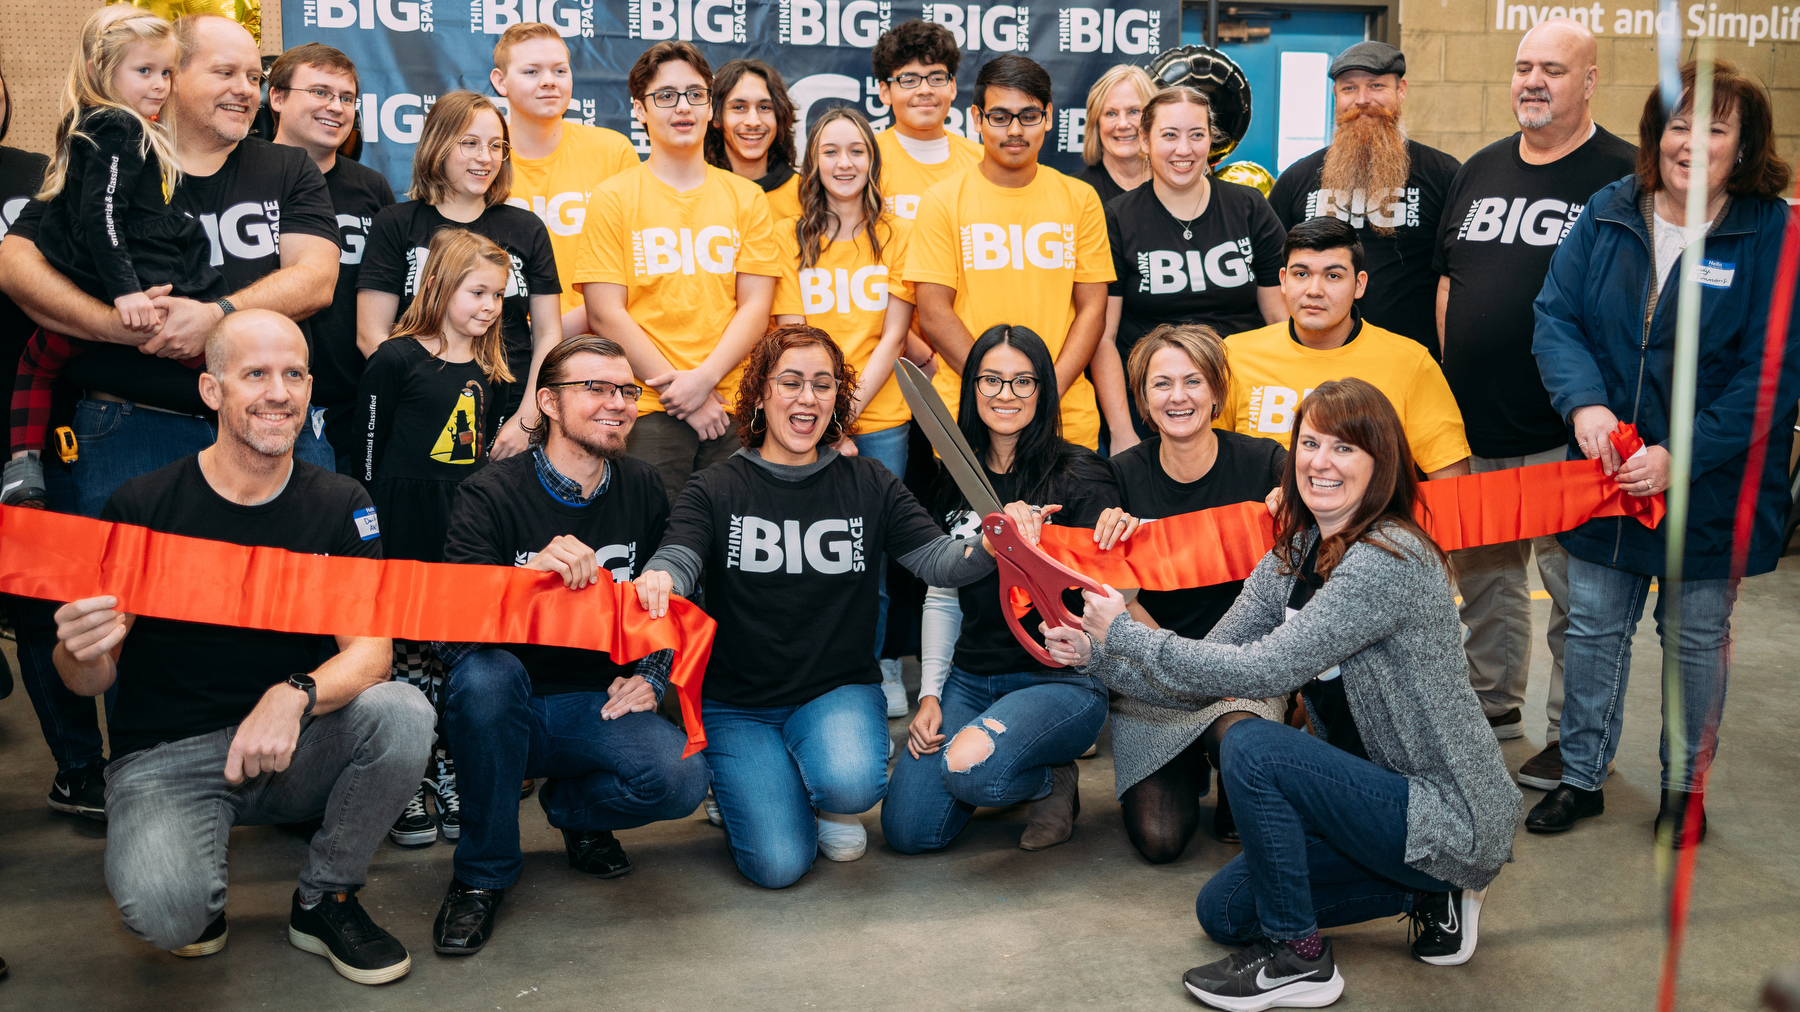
(408, 52)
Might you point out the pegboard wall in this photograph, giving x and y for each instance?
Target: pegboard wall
(37, 39)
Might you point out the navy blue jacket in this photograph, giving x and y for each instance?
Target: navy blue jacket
(1592, 348)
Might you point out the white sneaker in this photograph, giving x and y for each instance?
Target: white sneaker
(842, 837)
(892, 687)
(712, 810)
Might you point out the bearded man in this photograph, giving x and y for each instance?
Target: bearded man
(1391, 190)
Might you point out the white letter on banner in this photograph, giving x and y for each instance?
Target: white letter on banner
(861, 23)
(659, 19)
(398, 17)
(337, 13)
(713, 27)
(998, 37)
(1084, 30)
(1129, 40)
(499, 15)
(391, 119)
(563, 15)
(808, 25)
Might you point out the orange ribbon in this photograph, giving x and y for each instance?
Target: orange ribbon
(66, 558)
(1224, 544)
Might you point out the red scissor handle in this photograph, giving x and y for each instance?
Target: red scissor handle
(1043, 579)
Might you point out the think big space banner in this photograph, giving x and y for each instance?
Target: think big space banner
(408, 52)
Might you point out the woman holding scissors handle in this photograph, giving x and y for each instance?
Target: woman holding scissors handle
(788, 533)
(1018, 724)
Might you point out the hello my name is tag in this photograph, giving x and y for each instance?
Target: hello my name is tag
(1714, 273)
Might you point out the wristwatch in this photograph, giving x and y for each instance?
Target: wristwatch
(225, 305)
(306, 684)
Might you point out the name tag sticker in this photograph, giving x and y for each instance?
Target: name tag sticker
(1714, 273)
(366, 524)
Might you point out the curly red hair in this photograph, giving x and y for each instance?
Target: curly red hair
(760, 365)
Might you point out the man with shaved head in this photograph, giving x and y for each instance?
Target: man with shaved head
(216, 726)
(1508, 209)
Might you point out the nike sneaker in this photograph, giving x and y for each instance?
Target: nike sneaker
(1444, 926)
(1268, 974)
(81, 791)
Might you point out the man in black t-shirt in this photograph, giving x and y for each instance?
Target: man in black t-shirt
(1506, 213)
(266, 212)
(216, 726)
(1391, 190)
(573, 505)
(312, 92)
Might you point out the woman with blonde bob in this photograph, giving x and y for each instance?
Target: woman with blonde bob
(1399, 802)
(462, 173)
(1109, 142)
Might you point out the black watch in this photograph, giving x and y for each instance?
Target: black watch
(306, 684)
(225, 305)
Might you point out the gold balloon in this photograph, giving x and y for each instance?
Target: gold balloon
(245, 12)
(1248, 174)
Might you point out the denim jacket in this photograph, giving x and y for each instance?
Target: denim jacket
(1598, 341)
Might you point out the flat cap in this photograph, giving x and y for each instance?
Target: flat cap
(1375, 57)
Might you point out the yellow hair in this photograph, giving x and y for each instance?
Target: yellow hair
(106, 37)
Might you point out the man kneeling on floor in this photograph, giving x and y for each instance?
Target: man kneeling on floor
(576, 506)
(217, 727)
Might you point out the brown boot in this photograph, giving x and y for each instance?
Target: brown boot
(1051, 819)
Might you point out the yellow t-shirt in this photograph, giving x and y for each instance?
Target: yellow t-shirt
(1271, 372)
(1014, 256)
(558, 188)
(678, 255)
(784, 200)
(846, 295)
(904, 179)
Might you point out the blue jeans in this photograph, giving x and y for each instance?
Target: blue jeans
(1324, 839)
(1604, 608)
(605, 774)
(117, 441)
(889, 447)
(1045, 719)
(772, 765)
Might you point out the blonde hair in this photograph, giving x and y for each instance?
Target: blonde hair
(444, 126)
(1202, 346)
(106, 37)
(521, 33)
(454, 254)
(1090, 144)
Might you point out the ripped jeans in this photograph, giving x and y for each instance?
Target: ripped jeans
(1031, 720)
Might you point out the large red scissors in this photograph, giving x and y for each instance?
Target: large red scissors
(1023, 565)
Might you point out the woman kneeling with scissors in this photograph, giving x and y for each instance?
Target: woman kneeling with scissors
(1020, 724)
(788, 535)
(1401, 803)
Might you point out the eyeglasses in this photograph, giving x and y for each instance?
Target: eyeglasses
(1003, 118)
(937, 79)
(667, 97)
(629, 391)
(472, 147)
(790, 386)
(324, 96)
(1022, 386)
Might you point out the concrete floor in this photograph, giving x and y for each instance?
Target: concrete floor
(1575, 923)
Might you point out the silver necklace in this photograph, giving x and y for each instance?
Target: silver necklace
(1187, 227)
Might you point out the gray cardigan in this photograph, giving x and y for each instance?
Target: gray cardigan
(1391, 623)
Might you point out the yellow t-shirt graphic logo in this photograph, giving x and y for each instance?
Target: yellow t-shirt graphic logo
(460, 441)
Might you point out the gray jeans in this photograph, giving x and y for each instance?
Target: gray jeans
(673, 447)
(170, 809)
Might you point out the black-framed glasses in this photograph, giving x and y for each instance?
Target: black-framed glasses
(471, 147)
(937, 79)
(667, 97)
(629, 391)
(789, 387)
(1022, 386)
(1002, 118)
(324, 95)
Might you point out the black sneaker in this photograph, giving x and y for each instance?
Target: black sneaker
(597, 854)
(442, 786)
(1508, 725)
(340, 930)
(1443, 926)
(465, 922)
(81, 791)
(210, 941)
(414, 827)
(1267, 975)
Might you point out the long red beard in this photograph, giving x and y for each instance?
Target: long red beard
(1369, 154)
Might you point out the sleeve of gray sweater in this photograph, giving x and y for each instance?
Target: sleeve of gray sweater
(683, 565)
(948, 562)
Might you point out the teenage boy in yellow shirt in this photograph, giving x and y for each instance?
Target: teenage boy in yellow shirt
(1010, 241)
(915, 67)
(555, 163)
(1274, 367)
(678, 264)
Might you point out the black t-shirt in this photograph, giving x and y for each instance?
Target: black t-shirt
(1325, 693)
(21, 173)
(181, 679)
(1402, 292)
(985, 645)
(1211, 278)
(422, 417)
(1103, 183)
(1246, 469)
(358, 193)
(1502, 223)
(263, 191)
(793, 573)
(504, 515)
(395, 263)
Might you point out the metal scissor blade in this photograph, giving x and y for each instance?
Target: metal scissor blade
(935, 420)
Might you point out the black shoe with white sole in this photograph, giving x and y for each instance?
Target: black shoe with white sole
(414, 827)
(81, 791)
(442, 785)
(210, 941)
(1268, 974)
(339, 929)
(1444, 926)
